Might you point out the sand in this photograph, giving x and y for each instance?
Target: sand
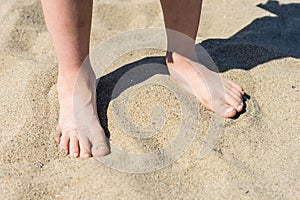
(256, 156)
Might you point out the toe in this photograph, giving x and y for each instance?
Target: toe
(226, 111)
(233, 101)
(223, 109)
(99, 146)
(64, 142)
(74, 146)
(85, 147)
(100, 149)
(236, 86)
(240, 107)
(229, 111)
(84, 153)
(238, 100)
(234, 92)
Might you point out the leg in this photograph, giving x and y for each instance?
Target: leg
(216, 93)
(69, 24)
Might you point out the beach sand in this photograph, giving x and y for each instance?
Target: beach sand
(256, 156)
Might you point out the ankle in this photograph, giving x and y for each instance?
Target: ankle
(65, 85)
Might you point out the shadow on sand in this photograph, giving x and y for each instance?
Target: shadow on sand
(263, 40)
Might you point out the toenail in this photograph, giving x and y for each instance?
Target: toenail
(86, 155)
(230, 109)
(75, 155)
(240, 107)
(101, 148)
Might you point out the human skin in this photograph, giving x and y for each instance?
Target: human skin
(69, 24)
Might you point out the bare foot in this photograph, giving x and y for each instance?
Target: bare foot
(80, 132)
(216, 93)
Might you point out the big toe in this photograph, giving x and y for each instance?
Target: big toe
(227, 111)
(99, 145)
(230, 111)
(100, 149)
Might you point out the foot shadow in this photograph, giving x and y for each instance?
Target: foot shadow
(265, 39)
(107, 88)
